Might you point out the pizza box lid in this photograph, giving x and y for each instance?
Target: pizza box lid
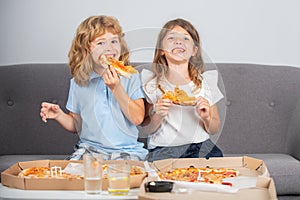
(247, 166)
(10, 176)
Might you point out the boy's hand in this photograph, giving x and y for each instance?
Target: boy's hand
(49, 111)
(111, 78)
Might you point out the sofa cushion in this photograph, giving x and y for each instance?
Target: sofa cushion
(261, 101)
(23, 89)
(284, 169)
(289, 197)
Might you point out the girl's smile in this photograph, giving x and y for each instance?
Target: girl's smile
(178, 50)
(178, 45)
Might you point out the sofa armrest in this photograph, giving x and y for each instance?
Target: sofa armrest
(293, 136)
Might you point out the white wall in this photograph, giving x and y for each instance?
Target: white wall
(248, 31)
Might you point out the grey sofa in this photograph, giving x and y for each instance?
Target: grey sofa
(262, 117)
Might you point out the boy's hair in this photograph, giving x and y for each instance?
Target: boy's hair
(196, 64)
(80, 60)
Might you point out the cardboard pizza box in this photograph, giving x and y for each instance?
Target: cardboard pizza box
(247, 167)
(10, 177)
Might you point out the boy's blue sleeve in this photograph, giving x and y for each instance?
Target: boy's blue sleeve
(135, 87)
(72, 105)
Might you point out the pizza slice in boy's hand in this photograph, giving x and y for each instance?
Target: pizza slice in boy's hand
(122, 70)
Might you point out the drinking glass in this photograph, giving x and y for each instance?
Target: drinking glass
(92, 163)
(118, 174)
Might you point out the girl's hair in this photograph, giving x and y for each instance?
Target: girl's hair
(80, 60)
(196, 64)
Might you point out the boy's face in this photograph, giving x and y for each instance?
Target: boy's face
(178, 45)
(107, 44)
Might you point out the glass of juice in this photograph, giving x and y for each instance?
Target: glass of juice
(118, 174)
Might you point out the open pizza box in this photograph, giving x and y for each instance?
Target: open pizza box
(253, 182)
(10, 177)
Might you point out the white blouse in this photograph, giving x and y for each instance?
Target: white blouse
(181, 125)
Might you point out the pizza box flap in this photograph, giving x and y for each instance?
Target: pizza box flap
(267, 182)
(256, 164)
(272, 190)
(252, 163)
(10, 178)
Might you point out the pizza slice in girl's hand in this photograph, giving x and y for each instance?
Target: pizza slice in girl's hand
(122, 70)
(178, 96)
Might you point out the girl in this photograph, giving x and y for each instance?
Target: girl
(104, 108)
(177, 131)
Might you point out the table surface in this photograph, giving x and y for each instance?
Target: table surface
(18, 194)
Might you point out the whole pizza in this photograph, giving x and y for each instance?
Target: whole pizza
(57, 172)
(205, 174)
(47, 172)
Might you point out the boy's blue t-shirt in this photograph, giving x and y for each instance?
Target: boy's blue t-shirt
(104, 126)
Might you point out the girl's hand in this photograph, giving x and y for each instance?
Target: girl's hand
(111, 78)
(162, 107)
(203, 108)
(49, 111)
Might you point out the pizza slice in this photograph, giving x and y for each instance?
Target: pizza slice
(212, 178)
(35, 172)
(136, 170)
(122, 70)
(178, 96)
(226, 172)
